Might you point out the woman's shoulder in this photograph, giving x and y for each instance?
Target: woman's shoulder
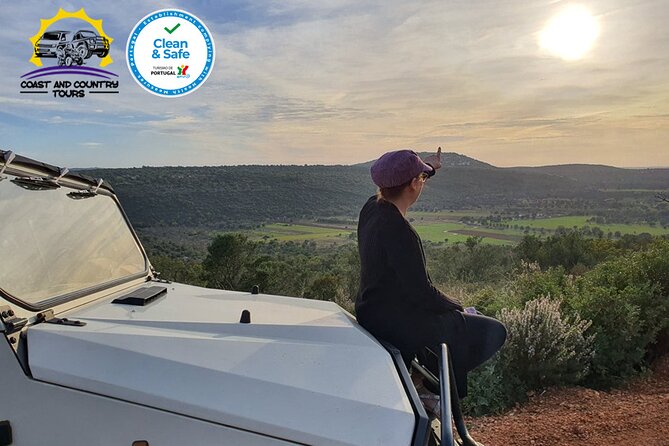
(385, 215)
(379, 206)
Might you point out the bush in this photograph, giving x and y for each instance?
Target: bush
(573, 250)
(473, 263)
(627, 300)
(620, 341)
(543, 349)
(490, 300)
(325, 287)
(486, 388)
(528, 283)
(532, 283)
(178, 270)
(565, 248)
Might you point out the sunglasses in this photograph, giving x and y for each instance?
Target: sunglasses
(423, 176)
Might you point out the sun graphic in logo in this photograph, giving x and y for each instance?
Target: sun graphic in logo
(83, 50)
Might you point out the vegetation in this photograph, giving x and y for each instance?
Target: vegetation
(243, 197)
(544, 348)
(624, 299)
(627, 299)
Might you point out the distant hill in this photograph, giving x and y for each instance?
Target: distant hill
(226, 197)
(606, 177)
(448, 159)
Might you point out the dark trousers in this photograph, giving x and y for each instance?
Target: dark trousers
(479, 338)
(471, 339)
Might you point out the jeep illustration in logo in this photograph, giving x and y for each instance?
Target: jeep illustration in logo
(71, 47)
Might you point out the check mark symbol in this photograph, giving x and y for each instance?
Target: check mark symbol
(170, 31)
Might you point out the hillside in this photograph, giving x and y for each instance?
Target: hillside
(606, 177)
(227, 197)
(448, 159)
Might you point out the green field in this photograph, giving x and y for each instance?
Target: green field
(285, 232)
(446, 215)
(580, 221)
(442, 226)
(460, 232)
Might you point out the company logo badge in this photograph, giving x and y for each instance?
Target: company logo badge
(70, 53)
(170, 53)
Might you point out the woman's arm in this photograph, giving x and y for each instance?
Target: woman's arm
(406, 259)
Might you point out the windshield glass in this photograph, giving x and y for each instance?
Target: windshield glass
(53, 244)
(51, 36)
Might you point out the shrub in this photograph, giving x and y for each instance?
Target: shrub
(178, 270)
(620, 341)
(565, 248)
(532, 283)
(486, 388)
(490, 300)
(543, 348)
(627, 300)
(325, 287)
(528, 283)
(473, 263)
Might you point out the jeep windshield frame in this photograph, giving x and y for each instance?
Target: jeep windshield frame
(57, 246)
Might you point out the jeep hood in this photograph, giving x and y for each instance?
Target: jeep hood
(302, 370)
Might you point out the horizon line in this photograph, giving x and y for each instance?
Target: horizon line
(364, 162)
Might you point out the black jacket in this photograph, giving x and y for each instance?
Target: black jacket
(396, 300)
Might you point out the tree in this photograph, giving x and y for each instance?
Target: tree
(325, 287)
(227, 261)
(597, 232)
(565, 248)
(528, 248)
(473, 242)
(178, 270)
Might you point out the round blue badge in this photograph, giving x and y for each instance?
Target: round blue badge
(170, 53)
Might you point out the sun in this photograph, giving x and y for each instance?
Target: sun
(570, 34)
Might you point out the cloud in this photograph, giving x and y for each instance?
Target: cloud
(342, 81)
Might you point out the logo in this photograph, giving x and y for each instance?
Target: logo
(70, 53)
(170, 53)
(182, 71)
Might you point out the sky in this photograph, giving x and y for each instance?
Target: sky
(343, 81)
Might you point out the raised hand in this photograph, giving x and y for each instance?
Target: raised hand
(434, 160)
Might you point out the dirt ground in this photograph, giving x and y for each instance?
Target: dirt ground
(635, 415)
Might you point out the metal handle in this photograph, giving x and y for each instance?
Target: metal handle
(445, 399)
(450, 404)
